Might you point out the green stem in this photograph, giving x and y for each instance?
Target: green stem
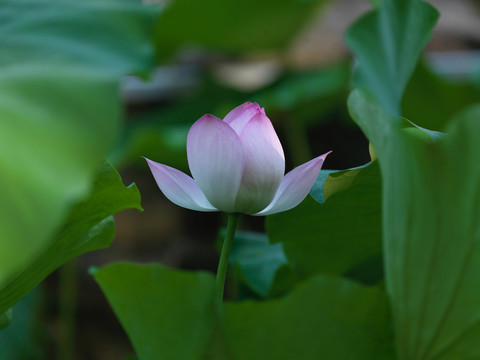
(224, 256)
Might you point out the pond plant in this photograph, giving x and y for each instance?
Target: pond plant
(380, 261)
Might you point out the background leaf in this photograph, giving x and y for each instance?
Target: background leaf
(335, 236)
(24, 338)
(5, 318)
(445, 98)
(431, 203)
(256, 261)
(89, 226)
(307, 95)
(296, 100)
(233, 26)
(167, 314)
(387, 43)
(324, 318)
(60, 109)
(161, 133)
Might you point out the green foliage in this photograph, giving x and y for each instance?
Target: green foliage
(161, 133)
(324, 318)
(24, 338)
(232, 26)
(304, 97)
(61, 64)
(89, 226)
(335, 236)
(307, 95)
(430, 185)
(256, 261)
(167, 314)
(5, 318)
(445, 98)
(166, 143)
(171, 314)
(388, 42)
(425, 204)
(431, 231)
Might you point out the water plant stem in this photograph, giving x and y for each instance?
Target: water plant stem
(225, 255)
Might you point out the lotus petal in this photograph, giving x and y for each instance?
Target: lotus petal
(179, 188)
(295, 186)
(216, 160)
(264, 165)
(235, 112)
(241, 115)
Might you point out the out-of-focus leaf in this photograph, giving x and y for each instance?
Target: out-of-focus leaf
(256, 260)
(317, 188)
(330, 182)
(163, 142)
(232, 26)
(130, 357)
(430, 100)
(324, 318)
(387, 43)
(61, 63)
(306, 95)
(5, 318)
(23, 339)
(90, 226)
(335, 236)
(167, 314)
(431, 227)
(161, 133)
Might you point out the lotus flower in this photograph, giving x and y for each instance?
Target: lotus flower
(237, 166)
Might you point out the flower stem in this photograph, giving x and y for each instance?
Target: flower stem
(224, 256)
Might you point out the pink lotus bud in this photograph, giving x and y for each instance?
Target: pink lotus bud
(237, 166)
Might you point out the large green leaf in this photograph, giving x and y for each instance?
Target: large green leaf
(431, 228)
(233, 26)
(60, 108)
(167, 314)
(170, 314)
(89, 226)
(387, 43)
(335, 236)
(324, 318)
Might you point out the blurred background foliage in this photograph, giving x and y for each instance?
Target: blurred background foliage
(208, 57)
(233, 27)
